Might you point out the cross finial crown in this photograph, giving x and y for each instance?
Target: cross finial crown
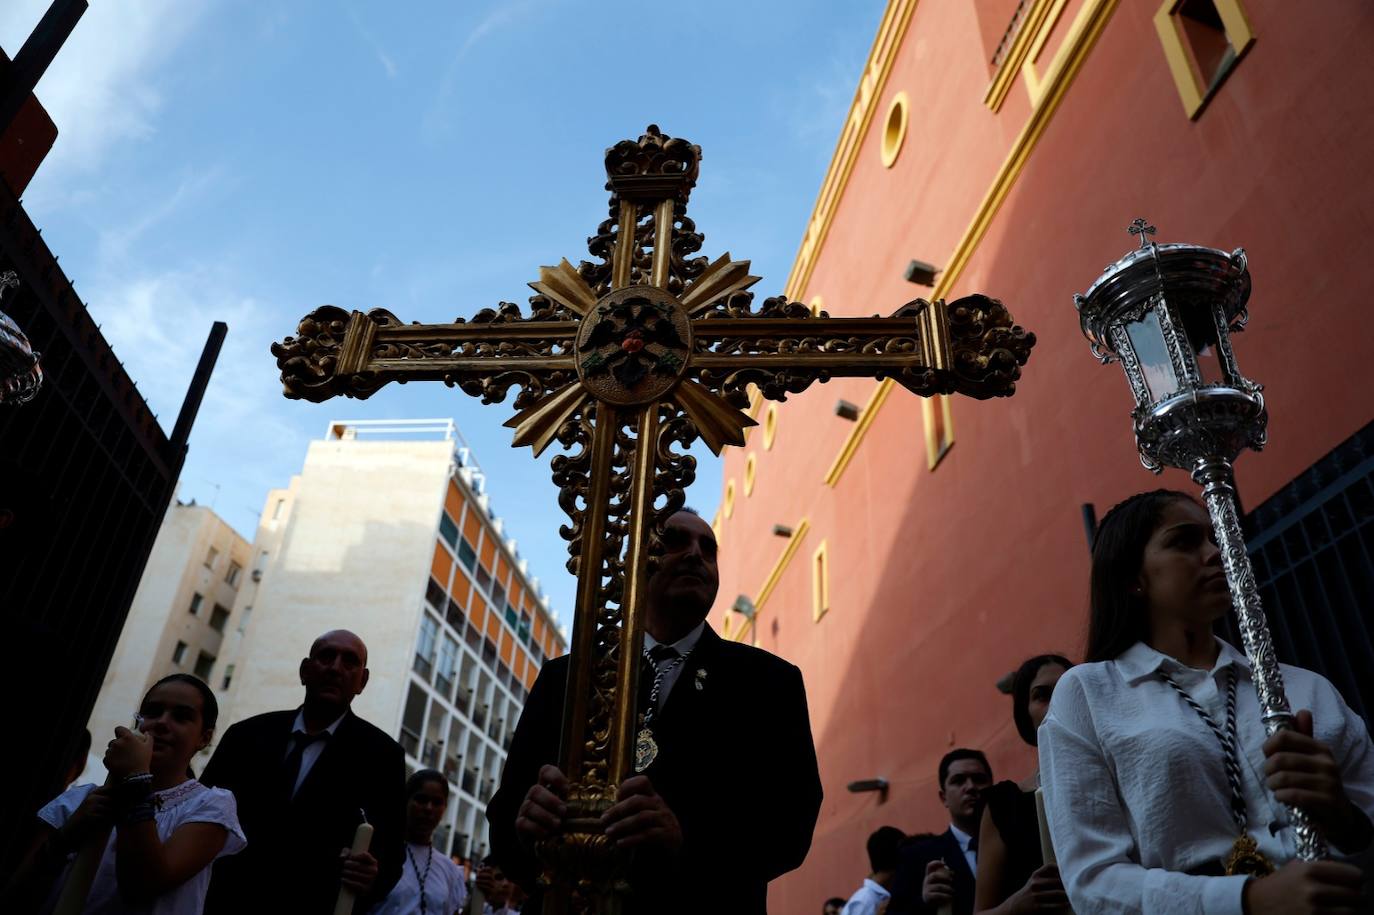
(1141, 227)
(653, 167)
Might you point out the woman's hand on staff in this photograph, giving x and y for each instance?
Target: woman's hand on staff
(1301, 772)
(1303, 887)
(130, 753)
(541, 814)
(1043, 892)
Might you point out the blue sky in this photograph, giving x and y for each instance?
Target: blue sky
(248, 161)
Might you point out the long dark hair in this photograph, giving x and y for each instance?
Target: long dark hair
(1020, 691)
(1117, 619)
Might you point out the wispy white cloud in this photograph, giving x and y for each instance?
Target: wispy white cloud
(117, 240)
(504, 14)
(102, 87)
(366, 35)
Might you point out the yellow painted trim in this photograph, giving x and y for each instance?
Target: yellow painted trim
(891, 30)
(817, 306)
(1191, 90)
(1035, 83)
(727, 504)
(775, 574)
(820, 582)
(891, 147)
(1010, 67)
(936, 449)
(750, 471)
(770, 426)
(1094, 17)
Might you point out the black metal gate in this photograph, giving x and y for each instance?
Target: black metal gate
(1312, 544)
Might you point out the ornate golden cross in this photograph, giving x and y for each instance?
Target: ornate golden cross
(626, 360)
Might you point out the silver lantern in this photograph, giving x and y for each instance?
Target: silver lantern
(20, 376)
(1166, 313)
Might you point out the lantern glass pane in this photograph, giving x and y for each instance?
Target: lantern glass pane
(1209, 366)
(1147, 339)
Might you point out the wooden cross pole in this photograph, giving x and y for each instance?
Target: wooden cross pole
(625, 360)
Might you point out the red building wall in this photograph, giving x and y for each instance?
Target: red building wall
(941, 581)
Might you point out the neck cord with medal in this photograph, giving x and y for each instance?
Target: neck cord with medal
(646, 750)
(423, 878)
(1245, 856)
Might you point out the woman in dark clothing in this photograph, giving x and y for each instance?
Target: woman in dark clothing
(1012, 877)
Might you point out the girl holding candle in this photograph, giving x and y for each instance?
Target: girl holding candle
(168, 828)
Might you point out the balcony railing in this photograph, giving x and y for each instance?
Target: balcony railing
(444, 685)
(423, 666)
(410, 741)
(470, 781)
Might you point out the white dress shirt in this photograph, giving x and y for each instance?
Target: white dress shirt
(963, 838)
(866, 899)
(311, 752)
(682, 646)
(1135, 784)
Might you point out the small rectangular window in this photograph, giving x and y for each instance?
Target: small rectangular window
(820, 582)
(243, 619)
(467, 555)
(498, 594)
(232, 576)
(483, 579)
(276, 509)
(1203, 41)
(413, 720)
(511, 617)
(204, 663)
(196, 600)
(448, 530)
(454, 615)
(210, 558)
(218, 617)
(434, 593)
(179, 653)
(228, 676)
(424, 650)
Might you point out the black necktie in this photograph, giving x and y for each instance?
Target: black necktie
(291, 769)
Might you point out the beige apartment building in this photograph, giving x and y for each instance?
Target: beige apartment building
(178, 619)
(387, 531)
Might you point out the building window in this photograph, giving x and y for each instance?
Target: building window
(196, 600)
(204, 662)
(894, 129)
(523, 630)
(1203, 41)
(454, 615)
(511, 616)
(727, 503)
(232, 576)
(820, 582)
(498, 594)
(483, 579)
(939, 425)
(179, 653)
(210, 558)
(413, 720)
(467, 555)
(488, 652)
(228, 677)
(448, 530)
(276, 509)
(770, 426)
(424, 650)
(434, 593)
(218, 617)
(243, 619)
(434, 737)
(750, 470)
(448, 663)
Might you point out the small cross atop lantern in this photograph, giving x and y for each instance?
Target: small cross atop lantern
(1166, 313)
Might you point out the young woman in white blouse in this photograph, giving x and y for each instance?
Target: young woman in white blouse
(168, 828)
(430, 884)
(1146, 813)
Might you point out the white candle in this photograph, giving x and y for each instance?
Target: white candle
(1046, 845)
(361, 840)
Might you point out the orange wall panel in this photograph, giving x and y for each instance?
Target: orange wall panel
(442, 565)
(472, 527)
(453, 502)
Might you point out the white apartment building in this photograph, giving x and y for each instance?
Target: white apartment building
(177, 621)
(386, 531)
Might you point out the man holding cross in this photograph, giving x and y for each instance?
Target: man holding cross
(728, 793)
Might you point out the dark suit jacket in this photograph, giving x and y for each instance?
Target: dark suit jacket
(916, 853)
(736, 765)
(291, 863)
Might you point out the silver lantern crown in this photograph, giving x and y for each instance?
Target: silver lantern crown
(1166, 313)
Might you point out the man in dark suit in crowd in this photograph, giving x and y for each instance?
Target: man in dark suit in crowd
(303, 779)
(935, 869)
(731, 798)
